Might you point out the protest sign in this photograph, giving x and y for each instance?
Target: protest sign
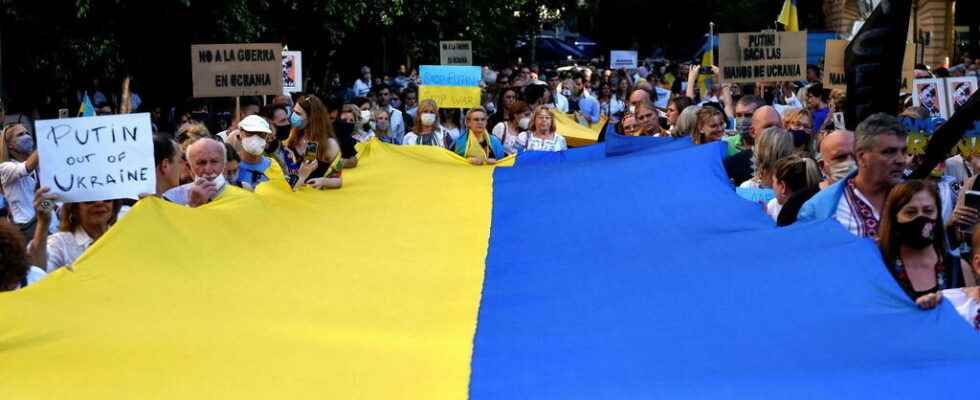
(450, 86)
(97, 158)
(835, 76)
(920, 132)
(229, 70)
(622, 59)
(292, 71)
(959, 91)
(456, 52)
(762, 56)
(931, 95)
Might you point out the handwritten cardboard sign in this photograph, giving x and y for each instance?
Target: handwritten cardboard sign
(762, 56)
(97, 158)
(835, 75)
(229, 70)
(456, 52)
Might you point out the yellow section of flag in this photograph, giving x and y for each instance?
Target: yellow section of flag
(367, 292)
(576, 134)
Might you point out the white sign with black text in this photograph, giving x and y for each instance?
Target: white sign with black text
(456, 52)
(97, 158)
(619, 59)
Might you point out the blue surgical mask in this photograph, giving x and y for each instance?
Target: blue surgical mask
(296, 121)
(24, 144)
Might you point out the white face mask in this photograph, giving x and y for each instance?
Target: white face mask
(254, 145)
(428, 119)
(219, 180)
(524, 122)
(366, 115)
(841, 170)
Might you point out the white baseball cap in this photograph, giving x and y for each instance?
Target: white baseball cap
(254, 123)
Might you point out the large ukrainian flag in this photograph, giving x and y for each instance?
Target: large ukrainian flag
(628, 269)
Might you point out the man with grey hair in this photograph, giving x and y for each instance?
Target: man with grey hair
(857, 200)
(206, 158)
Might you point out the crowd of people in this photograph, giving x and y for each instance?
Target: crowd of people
(785, 142)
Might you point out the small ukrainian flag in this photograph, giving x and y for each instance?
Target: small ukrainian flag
(86, 109)
(788, 17)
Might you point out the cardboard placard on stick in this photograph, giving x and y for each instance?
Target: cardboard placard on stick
(229, 70)
(762, 56)
(623, 59)
(456, 52)
(835, 76)
(292, 71)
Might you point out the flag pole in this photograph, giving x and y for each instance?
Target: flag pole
(711, 41)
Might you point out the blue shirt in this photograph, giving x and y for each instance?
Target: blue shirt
(589, 107)
(253, 174)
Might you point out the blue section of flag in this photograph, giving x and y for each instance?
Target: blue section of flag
(439, 75)
(646, 276)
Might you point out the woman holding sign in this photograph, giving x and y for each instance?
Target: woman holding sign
(80, 225)
(18, 162)
(311, 152)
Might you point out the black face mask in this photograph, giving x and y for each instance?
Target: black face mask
(799, 137)
(282, 132)
(342, 128)
(917, 233)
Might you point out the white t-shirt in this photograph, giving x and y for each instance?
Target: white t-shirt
(561, 102)
(363, 136)
(957, 168)
(34, 274)
(18, 188)
(412, 139)
(65, 247)
(965, 305)
(361, 88)
(453, 133)
(396, 127)
(750, 184)
(773, 208)
(182, 194)
(528, 142)
(510, 140)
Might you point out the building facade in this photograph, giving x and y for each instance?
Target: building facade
(938, 32)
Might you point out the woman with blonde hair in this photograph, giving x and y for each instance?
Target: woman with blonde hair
(541, 135)
(351, 114)
(772, 145)
(79, 226)
(311, 152)
(799, 123)
(426, 130)
(18, 163)
(710, 125)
